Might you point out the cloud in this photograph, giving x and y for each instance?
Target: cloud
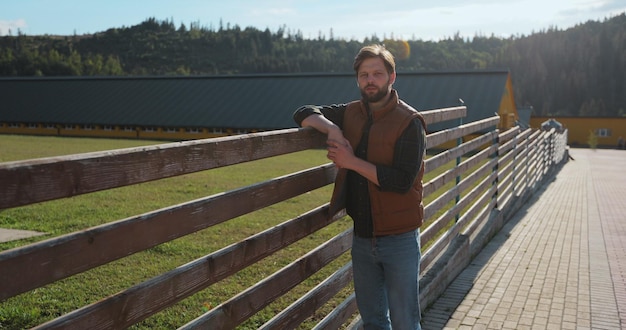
(11, 27)
(611, 6)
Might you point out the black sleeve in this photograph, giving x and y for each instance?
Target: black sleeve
(333, 112)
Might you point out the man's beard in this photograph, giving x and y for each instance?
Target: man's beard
(378, 96)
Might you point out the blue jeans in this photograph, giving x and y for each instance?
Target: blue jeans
(386, 280)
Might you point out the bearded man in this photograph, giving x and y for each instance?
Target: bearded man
(378, 144)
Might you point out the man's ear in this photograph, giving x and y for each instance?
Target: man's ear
(392, 78)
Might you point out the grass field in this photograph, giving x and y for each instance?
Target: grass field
(72, 214)
(68, 215)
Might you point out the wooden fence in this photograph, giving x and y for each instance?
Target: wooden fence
(495, 173)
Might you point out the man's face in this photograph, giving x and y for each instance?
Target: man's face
(373, 79)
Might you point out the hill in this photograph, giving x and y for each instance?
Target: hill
(575, 72)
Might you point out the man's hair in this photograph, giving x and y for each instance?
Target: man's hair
(372, 51)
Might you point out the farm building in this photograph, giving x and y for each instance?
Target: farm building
(607, 130)
(191, 107)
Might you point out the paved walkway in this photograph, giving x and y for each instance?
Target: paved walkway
(560, 263)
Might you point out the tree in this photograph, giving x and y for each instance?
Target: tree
(578, 71)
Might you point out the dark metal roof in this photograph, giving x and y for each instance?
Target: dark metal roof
(243, 101)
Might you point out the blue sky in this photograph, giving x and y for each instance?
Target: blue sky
(348, 19)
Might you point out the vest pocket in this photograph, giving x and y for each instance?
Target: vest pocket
(394, 213)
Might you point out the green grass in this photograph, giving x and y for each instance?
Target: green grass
(68, 215)
(72, 214)
(21, 147)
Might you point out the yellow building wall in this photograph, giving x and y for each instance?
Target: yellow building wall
(111, 131)
(580, 128)
(29, 130)
(508, 109)
(179, 134)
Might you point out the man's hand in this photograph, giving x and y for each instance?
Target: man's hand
(335, 134)
(340, 152)
(339, 149)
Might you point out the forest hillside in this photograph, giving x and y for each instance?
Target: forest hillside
(580, 71)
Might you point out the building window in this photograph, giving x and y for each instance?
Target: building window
(14, 125)
(108, 127)
(89, 127)
(32, 126)
(128, 129)
(50, 126)
(171, 130)
(193, 130)
(148, 129)
(69, 127)
(603, 132)
(217, 131)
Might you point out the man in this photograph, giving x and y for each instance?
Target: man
(378, 144)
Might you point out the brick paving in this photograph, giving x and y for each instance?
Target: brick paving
(559, 263)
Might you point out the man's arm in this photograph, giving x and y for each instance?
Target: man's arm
(320, 123)
(399, 177)
(333, 112)
(339, 148)
(343, 156)
(325, 119)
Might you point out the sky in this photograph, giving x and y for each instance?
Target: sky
(348, 19)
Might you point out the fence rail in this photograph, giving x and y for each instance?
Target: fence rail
(499, 171)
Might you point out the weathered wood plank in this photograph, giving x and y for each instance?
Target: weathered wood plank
(292, 316)
(430, 209)
(482, 216)
(509, 134)
(452, 134)
(458, 151)
(451, 174)
(445, 238)
(505, 190)
(141, 301)
(338, 316)
(439, 115)
(48, 261)
(32, 181)
(239, 308)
